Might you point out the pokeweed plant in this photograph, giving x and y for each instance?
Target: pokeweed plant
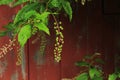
(91, 70)
(91, 66)
(33, 18)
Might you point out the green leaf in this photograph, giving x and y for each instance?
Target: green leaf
(3, 33)
(94, 72)
(30, 14)
(9, 29)
(21, 14)
(17, 29)
(97, 78)
(42, 27)
(82, 63)
(20, 2)
(119, 75)
(5, 2)
(9, 26)
(42, 8)
(24, 34)
(83, 76)
(55, 3)
(44, 16)
(112, 76)
(67, 7)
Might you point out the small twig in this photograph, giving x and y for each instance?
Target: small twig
(56, 22)
(47, 5)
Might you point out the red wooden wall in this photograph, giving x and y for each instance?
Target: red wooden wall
(90, 31)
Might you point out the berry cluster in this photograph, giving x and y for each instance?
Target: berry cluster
(34, 30)
(43, 42)
(59, 41)
(7, 47)
(19, 57)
